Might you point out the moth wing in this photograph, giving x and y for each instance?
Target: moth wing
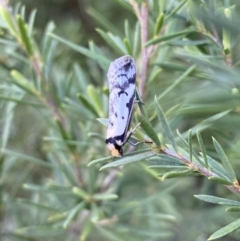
(120, 113)
(121, 79)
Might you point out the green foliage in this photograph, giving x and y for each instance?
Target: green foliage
(57, 180)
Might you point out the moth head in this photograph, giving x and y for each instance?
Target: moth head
(114, 147)
(116, 153)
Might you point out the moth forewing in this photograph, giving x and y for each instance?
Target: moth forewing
(122, 82)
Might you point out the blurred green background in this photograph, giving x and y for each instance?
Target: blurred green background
(47, 190)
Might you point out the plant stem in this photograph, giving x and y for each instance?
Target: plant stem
(144, 37)
(194, 166)
(143, 19)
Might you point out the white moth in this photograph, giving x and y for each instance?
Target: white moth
(122, 81)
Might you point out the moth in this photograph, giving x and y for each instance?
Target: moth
(122, 83)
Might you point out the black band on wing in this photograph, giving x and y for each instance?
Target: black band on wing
(131, 80)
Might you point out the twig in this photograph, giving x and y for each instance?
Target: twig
(136, 9)
(53, 107)
(4, 4)
(37, 66)
(109, 179)
(144, 37)
(142, 16)
(194, 166)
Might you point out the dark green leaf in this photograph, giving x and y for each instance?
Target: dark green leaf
(233, 209)
(80, 193)
(163, 159)
(108, 158)
(39, 232)
(225, 230)
(164, 123)
(176, 9)
(72, 214)
(23, 83)
(86, 229)
(217, 200)
(104, 121)
(99, 58)
(35, 205)
(146, 126)
(226, 163)
(24, 36)
(159, 24)
(177, 82)
(200, 141)
(31, 22)
(100, 19)
(168, 37)
(174, 174)
(113, 41)
(9, 20)
(27, 158)
(127, 32)
(128, 159)
(190, 144)
(186, 144)
(95, 96)
(127, 46)
(220, 180)
(87, 104)
(104, 196)
(140, 103)
(136, 39)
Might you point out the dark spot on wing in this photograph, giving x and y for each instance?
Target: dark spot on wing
(127, 66)
(132, 80)
(123, 117)
(116, 114)
(130, 103)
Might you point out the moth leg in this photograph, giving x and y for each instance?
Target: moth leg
(134, 144)
(138, 101)
(135, 128)
(130, 132)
